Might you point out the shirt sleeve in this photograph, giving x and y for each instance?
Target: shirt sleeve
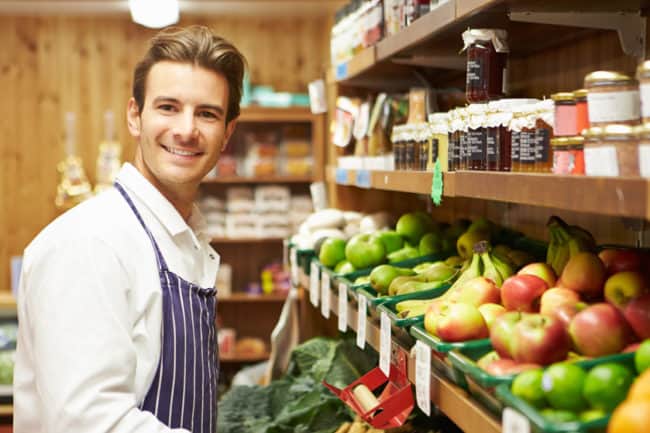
(77, 332)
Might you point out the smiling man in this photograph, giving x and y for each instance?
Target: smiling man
(116, 301)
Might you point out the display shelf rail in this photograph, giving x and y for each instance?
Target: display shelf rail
(255, 113)
(245, 297)
(622, 197)
(450, 399)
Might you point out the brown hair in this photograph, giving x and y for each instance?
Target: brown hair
(197, 45)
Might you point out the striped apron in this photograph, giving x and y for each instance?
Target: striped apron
(183, 393)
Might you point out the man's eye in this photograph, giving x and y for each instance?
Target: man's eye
(166, 107)
(207, 114)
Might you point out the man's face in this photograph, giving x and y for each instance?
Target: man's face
(182, 127)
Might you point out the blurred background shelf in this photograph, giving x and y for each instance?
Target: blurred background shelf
(243, 358)
(258, 179)
(217, 241)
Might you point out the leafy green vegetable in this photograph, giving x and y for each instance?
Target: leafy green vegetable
(299, 402)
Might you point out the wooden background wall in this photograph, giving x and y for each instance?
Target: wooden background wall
(50, 65)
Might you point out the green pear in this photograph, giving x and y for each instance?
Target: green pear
(363, 251)
(439, 272)
(481, 224)
(412, 227)
(457, 228)
(365, 279)
(392, 240)
(421, 267)
(405, 253)
(416, 286)
(455, 261)
(431, 243)
(466, 242)
(332, 251)
(397, 282)
(344, 267)
(383, 275)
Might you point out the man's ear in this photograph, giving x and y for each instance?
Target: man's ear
(230, 128)
(133, 118)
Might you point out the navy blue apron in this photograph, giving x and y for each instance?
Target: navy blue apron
(183, 393)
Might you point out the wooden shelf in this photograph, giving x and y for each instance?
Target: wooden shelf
(7, 301)
(243, 358)
(623, 197)
(254, 113)
(244, 297)
(258, 179)
(246, 240)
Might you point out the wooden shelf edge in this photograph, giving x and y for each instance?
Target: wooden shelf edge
(244, 358)
(355, 66)
(258, 179)
(7, 301)
(255, 113)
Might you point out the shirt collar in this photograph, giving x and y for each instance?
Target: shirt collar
(137, 185)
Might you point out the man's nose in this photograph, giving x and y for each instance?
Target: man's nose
(185, 128)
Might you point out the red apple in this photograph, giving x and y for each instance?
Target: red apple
(637, 313)
(490, 312)
(599, 330)
(431, 315)
(460, 322)
(566, 312)
(631, 347)
(619, 260)
(585, 274)
(555, 297)
(541, 270)
(624, 286)
(478, 291)
(540, 339)
(502, 332)
(505, 366)
(522, 293)
(487, 359)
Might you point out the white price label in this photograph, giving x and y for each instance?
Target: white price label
(314, 284)
(601, 161)
(325, 294)
(423, 376)
(644, 159)
(514, 422)
(361, 321)
(343, 307)
(384, 344)
(293, 265)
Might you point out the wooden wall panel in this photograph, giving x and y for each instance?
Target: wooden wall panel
(53, 64)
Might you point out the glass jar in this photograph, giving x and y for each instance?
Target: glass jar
(494, 129)
(454, 145)
(643, 75)
(397, 143)
(409, 147)
(462, 128)
(576, 148)
(612, 98)
(544, 124)
(614, 154)
(439, 133)
(523, 140)
(582, 111)
(487, 57)
(566, 121)
(644, 149)
(562, 159)
(422, 143)
(476, 136)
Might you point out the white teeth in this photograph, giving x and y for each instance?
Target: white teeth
(181, 152)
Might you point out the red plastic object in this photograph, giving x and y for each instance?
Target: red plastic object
(395, 401)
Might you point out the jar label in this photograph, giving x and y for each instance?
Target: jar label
(645, 100)
(542, 144)
(514, 147)
(613, 106)
(644, 159)
(435, 143)
(476, 144)
(527, 147)
(409, 155)
(601, 161)
(424, 156)
(491, 145)
(475, 78)
(563, 162)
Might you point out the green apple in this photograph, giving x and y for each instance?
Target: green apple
(364, 251)
(392, 240)
(431, 243)
(642, 357)
(405, 253)
(332, 251)
(344, 267)
(412, 227)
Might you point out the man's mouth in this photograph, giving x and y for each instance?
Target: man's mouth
(181, 152)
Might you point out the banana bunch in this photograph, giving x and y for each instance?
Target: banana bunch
(412, 307)
(485, 264)
(565, 242)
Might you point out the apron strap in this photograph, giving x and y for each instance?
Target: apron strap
(162, 265)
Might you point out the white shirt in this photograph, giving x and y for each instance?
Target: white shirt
(90, 307)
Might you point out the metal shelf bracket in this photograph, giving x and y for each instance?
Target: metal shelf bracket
(631, 27)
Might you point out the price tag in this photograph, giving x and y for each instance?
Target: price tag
(423, 376)
(341, 70)
(325, 294)
(293, 265)
(343, 307)
(361, 321)
(514, 422)
(384, 344)
(341, 176)
(436, 184)
(314, 284)
(363, 179)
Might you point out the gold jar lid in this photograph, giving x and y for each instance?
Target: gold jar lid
(575, 140)
(592, 133)
(559, 141)
(619, 132)
(643, 130)
(580, 94)
(643, 71)
(607, 78)
(563, 97)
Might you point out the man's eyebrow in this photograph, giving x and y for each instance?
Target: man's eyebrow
(216, 108)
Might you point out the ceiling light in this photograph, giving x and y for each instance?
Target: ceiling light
(154, 13)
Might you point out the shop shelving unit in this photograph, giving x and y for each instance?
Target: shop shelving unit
(565, 40)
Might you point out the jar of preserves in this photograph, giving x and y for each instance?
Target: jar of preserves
(487, 57)
(476, 137)
(562, 160)
(612, 97)
(398, 147)
(462, 128)
(422, 142)
(439, 148)
(566, 114)
(494, 129)
(522, 127)
(614, 154)
(410, 148)
(454, 145)
(544, 124)
(582, 113)
(644, 149)
(576, 148)
(643, 75)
